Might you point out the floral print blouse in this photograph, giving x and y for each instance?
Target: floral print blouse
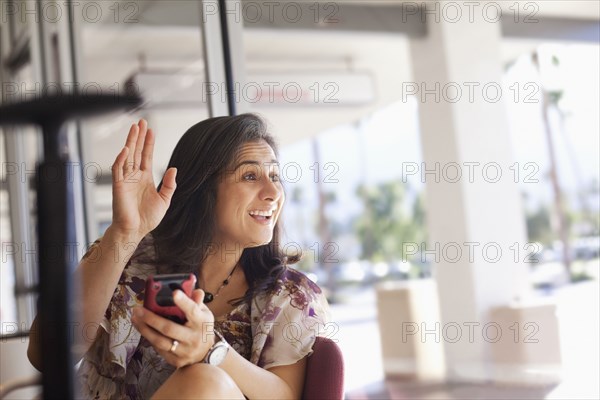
(276, 328)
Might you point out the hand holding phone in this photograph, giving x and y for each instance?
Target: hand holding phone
(158, 297)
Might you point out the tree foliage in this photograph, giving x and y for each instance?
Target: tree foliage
(387, 221)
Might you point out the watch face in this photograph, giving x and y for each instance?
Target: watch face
(218, 354)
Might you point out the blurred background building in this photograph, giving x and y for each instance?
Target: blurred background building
(441, 162)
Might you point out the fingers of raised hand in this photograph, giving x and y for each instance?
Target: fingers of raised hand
(131, 144)
(136, 142)
(117, 168)
(146, 155)
(139, 145)
(169, 185)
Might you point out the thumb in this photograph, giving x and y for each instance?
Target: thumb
(198, 296)
(168, 184)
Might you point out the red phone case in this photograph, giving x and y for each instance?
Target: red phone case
(159, 294)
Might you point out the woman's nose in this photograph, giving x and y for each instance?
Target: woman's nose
(271, 190)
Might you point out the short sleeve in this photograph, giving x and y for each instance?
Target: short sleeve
(287, 320)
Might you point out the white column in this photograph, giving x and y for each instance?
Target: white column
(474, 213)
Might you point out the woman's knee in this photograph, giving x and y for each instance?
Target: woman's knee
(201, 381)
(209, 374)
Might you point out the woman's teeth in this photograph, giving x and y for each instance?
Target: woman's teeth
(262, 213)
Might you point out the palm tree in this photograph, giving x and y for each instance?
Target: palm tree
(550, 101)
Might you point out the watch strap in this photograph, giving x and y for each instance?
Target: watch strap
(221, 342)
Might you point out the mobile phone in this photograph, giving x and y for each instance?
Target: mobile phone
(158, 297)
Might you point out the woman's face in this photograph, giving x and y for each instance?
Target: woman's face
(249, 198)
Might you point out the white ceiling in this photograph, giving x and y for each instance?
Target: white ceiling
(384, 56)
(112, 53)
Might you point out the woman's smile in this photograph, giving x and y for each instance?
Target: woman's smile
(263, 217)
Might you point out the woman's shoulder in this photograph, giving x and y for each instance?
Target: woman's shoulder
(292, 280)
(293, 288)
(286, 319)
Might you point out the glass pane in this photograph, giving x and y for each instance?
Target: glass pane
(8, 304)
(333, 99)
(19, 257)
(570, 134)
(155, 47)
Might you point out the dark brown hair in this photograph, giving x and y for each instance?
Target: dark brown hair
(183, 237)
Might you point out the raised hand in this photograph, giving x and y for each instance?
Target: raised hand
(137, 206)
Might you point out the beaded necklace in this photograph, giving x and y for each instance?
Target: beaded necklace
(208, 296)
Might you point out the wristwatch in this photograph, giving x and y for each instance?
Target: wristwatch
(217, 353)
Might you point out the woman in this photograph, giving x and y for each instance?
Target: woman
(253, 321)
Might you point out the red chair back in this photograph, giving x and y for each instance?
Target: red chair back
(324, 372)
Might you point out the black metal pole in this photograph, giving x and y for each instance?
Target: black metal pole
(56, 235)
(229, 83)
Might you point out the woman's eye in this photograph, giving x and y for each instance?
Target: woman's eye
(275, 178)
(249, 177)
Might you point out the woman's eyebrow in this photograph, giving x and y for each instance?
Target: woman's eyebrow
(252, 162)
